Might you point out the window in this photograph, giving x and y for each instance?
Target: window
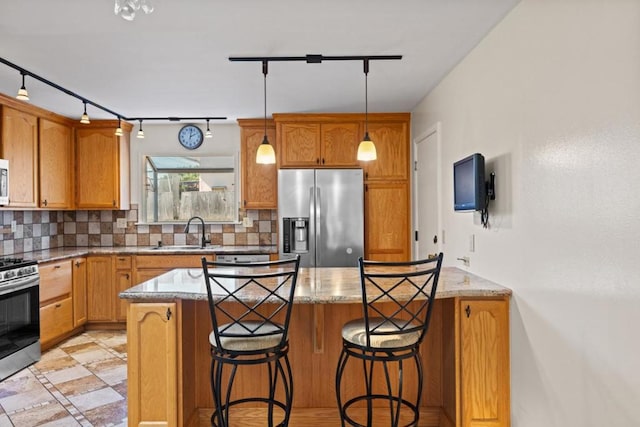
(178, 188)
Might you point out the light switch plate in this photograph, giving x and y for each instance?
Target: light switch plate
(121, 223)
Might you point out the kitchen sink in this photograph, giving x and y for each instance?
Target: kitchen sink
(183, 247)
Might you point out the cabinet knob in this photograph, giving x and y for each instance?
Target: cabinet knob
(169, 314)
(127, 276)
(468, 311)
(323, 160)
(317, 161)
(44, 202)
(78, 264)
(58, 305)
(114, 203)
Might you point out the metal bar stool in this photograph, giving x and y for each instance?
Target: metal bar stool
(262, 291)
(389, 334)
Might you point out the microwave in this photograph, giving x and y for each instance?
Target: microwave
(4, 182)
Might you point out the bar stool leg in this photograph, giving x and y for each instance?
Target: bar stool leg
(342, 361)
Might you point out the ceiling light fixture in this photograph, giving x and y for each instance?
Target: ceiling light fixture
(119, 129)
(23, 95)
(140, 134)
(85, 117)
(208, 133)
(366, 148)
(265, 154)
(86, 101)
(127, 9)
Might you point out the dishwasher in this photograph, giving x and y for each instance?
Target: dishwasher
(242, 259)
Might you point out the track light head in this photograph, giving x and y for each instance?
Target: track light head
(85, 117)
(23, 95)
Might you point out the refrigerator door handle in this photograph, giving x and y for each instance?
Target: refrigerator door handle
(318, 227)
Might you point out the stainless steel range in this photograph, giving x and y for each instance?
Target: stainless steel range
(19, 315)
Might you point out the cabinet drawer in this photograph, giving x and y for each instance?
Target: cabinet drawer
(56, 319)
(55, 280)
(169, 262)
(123, 262)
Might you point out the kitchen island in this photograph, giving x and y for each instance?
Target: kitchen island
(465, 353)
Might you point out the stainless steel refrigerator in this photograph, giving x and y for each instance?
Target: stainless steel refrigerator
(321, 216)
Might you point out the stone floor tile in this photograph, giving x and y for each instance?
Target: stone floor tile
(93, 399)
(67, 374)
(112, 414)
(52, 414)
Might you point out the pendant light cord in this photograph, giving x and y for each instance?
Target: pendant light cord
(366, 97)
(265, 70)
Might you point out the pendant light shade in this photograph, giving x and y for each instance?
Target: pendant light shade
(265, 155)
(119, 129)
(23, 95)
(140, 134)
(367, 149)
(85, 117)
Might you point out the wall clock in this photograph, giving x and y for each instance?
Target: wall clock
(190, 137)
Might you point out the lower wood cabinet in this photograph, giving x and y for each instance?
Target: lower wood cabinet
(150, 266)
(79, 267)
(152, 365)
(123, 277)
(107, 276)
(484, 362)
(56, 302)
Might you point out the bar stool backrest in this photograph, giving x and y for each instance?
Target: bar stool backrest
(406, 288)
(261, 294)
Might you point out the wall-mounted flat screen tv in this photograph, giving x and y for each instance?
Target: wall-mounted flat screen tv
(468, 183)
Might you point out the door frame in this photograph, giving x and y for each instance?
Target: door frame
(437, 130)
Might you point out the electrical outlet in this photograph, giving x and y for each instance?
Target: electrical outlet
(247, 222)
(121, 222)
(14, 226)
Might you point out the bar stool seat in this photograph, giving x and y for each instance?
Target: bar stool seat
(248, 336)
(397, 300)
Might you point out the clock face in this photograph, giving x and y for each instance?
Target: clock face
(190, 137)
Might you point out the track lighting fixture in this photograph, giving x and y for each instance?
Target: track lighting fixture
(208, 133)
(85, 117)
(366, 148)
(265, 154)
(119, 129)
(23, 95)
(140, 134)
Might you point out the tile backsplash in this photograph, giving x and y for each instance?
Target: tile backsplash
(36, 230)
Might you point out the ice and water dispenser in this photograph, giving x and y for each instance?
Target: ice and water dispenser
(295, 233)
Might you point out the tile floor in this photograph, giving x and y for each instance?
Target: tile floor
(80, 382)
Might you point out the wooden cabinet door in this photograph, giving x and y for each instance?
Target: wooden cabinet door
(56, 166)
(100, 289)
(386, 225)
(152, 367)
(97, 169)
(123, 282)
(484, 364)
(79, 291)
(299, 144)
(259, 182)
(20, 148)
(392, 146)
(340, 144)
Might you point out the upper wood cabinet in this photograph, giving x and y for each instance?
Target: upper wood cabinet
(56, 165)
(259, 182)
(309, 140)
(391, 139)
(20, 148)
(387, 218)
(102, 167)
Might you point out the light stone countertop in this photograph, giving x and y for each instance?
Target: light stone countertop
(315, 286)
(58, 254)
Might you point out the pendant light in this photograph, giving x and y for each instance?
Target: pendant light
(208, 133)
(140, 134)
(265, 154)
(85, 117)
(119, 130)
(23, 95)
(366, 148)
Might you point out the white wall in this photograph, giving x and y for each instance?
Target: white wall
(162, 139)
(551, 97)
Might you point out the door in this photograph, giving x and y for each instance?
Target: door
(427, 193)
(295, 200)
(339, 217)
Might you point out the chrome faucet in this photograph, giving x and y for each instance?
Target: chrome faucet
(204, 239)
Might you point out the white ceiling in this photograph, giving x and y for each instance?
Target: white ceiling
(174, 62)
